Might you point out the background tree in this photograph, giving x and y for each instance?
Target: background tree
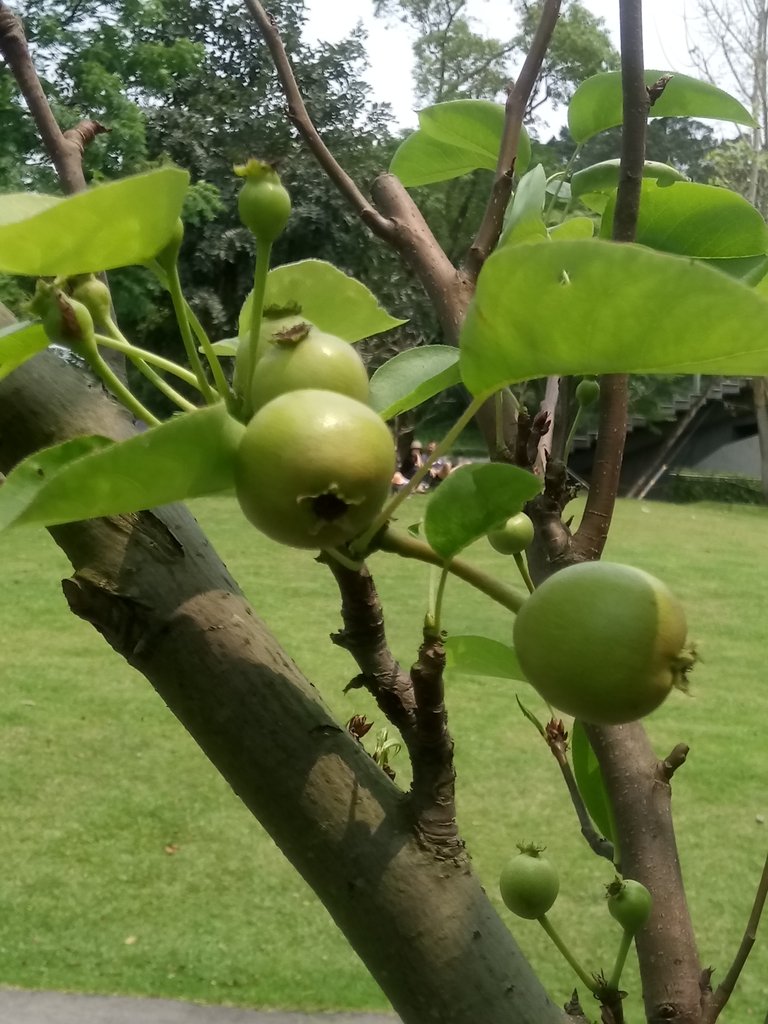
(189, 82)
(733, 48)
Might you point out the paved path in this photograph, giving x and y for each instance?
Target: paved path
(19, 1007)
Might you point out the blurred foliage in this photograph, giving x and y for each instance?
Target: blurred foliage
(190, 81)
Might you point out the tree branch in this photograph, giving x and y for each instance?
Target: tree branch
(414, 705)
(64, 149)
(364, 637)
(614, 398)
(592, 533)
(299, 117)
(434, 776)
(556, 738)
(448, 289)
(640, 795)
(490, 227)
(152, 586)
(725, 989)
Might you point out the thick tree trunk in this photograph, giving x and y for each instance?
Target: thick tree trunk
(151, 584)
(760, 394)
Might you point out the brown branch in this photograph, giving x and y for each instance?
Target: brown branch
(448, 289)
(556, 738)
(84, 133)
(434, 776)
(65, 153)
(640, 796)
(724, 990)
(675, 759)
(299, 117)
(590, 538)
(593, 531)
(364, 637)
(636, 103)
(517, 100)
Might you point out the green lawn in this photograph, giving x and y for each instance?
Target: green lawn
(129, 867)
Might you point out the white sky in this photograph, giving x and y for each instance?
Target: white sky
(389, 45)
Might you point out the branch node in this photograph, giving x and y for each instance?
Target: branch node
(84, 133)
(674, 760)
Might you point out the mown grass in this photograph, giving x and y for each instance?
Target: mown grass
(128, 866)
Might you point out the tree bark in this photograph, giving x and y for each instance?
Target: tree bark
(638, 786)
(760, 395)
(153, 587)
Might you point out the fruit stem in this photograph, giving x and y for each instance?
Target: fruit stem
(438, 609)
(406, 546)
(571, 435)
(362, 542)
(143, 367)
(119, 390)
(260, 272)
(342, 559)
(130, 351)
(549, 928)
(177, 298)
(208, 351)
(522, 566)
(621, 958)
(566, 173)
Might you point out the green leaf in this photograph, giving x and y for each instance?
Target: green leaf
(473, 125)
(574, 227)
(695, 220)
(472, 500)
(330, 299)
(596, 105)
(604, 177)
(19, 342)
(422, 160)
(226, 346)
(749, 270)
(523, 219)
(112, 225)
(558, 188)
(411, 377)
(589, 307)
(188, 456)
(590, 783)
(481, 656)
(455, 138)
(15, 206)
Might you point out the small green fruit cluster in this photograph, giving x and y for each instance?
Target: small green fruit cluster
(603, 642)
(316, 462)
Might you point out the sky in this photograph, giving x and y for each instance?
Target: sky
(667, 24)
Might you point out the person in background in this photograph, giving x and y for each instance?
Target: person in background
(439, 469)
(412, 462)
